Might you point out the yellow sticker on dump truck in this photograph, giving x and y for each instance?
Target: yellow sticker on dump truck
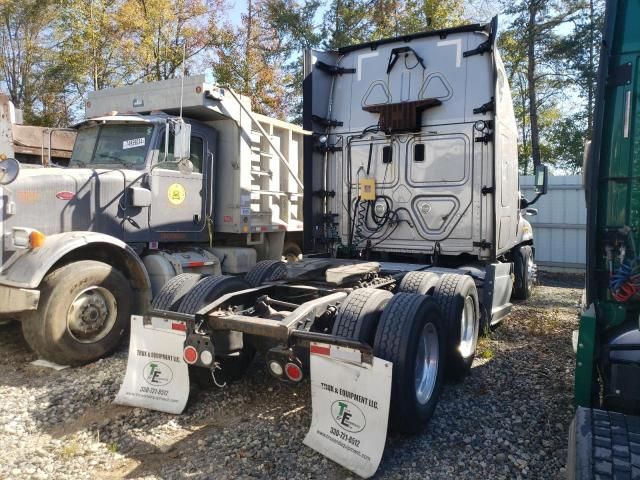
(176, 193)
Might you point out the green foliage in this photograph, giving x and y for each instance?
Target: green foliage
(55, 51)
(550, 53)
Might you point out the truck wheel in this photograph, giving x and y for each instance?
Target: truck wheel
(266, 271)
(411, 336)
(457, 297)
(206, 291)
(83, 313)
(169, 296)
(524, 272)
(358, 315)
(418, 282)
(603, 444)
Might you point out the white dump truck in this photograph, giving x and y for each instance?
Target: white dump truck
(165, 178)
(415, 240)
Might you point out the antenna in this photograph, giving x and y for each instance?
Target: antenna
(184, 60)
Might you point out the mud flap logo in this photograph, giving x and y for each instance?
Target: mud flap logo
(348, 416)
(157, 374)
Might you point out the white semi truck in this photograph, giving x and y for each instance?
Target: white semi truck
(415, 241)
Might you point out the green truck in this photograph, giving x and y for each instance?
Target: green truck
(605, 434)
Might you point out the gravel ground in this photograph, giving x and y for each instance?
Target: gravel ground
(508, 420)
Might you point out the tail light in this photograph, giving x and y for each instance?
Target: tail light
(190, 354)
(293, 372)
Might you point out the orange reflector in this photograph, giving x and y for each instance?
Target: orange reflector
(195, 264)
(293, 371)
(36, 239)
(190, 355)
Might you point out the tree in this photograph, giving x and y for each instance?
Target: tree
(24, 39)
(258, 59)
(159, 33)
(539, 78)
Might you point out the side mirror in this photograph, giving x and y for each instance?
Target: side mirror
(139, 197)
(530, 212)
(181, 140)
(9, 170)
(541, 179)
(185, 166)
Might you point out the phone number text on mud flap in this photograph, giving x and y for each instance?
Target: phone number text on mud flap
(343, 436)
(154, 391)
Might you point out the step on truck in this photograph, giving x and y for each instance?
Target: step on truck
(414, 236)
(165, 178)
(604, 438)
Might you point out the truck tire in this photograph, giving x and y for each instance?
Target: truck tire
(523, 271)
(457, 297)
(411, 336)
(291, 252)
(418, 282)
(172, 292)
(358, 315)
(603, 445)
(206, 291)
(266, 271)
(83, 314)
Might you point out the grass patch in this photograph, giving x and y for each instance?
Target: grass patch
(484, 349)
(112, 447)
(544, 322)
(70, 450)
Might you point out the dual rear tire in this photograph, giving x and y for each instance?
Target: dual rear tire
(407, 330)
(188, 293)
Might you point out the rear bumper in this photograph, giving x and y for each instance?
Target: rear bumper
(15, 300)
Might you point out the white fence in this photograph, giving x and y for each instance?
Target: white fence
(560, 227)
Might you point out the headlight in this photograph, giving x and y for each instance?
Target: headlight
(27, 238)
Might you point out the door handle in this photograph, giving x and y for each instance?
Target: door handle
(627, 114)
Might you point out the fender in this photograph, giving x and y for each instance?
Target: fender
(29, 268)
(525, 232)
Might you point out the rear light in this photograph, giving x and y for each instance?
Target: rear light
(190, 355)
(293, 372)
(275, 368)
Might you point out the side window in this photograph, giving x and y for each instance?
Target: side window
(196, 157)
(197, 153)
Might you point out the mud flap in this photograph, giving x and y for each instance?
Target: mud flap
(350, 402)
(157, 377)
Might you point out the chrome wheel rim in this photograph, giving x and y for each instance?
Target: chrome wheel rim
(468, 326)
(427, 363)
(531, 273)
(92, 314)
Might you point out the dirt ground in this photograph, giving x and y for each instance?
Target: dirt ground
(508, 419)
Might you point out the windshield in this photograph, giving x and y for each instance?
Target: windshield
(112, 145)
